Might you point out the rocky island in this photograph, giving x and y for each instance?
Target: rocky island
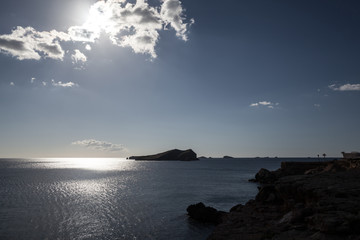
(172, 155)
(301, 200)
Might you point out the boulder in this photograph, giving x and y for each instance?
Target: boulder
(205, 214)
(265, 176)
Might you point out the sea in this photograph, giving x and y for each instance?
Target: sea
(112, 198)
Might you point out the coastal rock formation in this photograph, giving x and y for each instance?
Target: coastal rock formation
(205, 214)
(265, 176)
(299, 201)
(172, 155)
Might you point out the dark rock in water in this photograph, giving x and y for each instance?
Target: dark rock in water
(265, 176)
(205, 214)
(172, 155)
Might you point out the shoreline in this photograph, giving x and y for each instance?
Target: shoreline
(300, 200)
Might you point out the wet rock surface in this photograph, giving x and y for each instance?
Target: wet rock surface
(313, 201)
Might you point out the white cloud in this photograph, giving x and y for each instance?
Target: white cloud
(78, 57)
(100, 145)
(317, 105)
(61, 84)
(88, 47)
(345, 87)
(136, 25)
(44, 83)
(264, 103)
(172, 13)
(32, 80)
(12, 84)
(27, 43)
(126, 24)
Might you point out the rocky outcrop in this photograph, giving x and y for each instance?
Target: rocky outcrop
(265, 176)
(205, 214)
(172, 155)
(311, 201)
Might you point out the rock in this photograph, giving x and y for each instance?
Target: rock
(265, 176)
(268, 194)
(237, 208)
(172, 155)
(324, 204)
(205, 214)
(227, 156)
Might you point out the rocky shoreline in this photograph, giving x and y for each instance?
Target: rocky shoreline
(319, 200)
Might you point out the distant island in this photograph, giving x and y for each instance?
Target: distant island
(171, 155)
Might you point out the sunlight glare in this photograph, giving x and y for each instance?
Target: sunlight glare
(99, 18)
(88, 163)
(91, 163)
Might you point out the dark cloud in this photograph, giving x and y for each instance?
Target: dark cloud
(12, 44)
(146, 15)
(52, 48)
(145, 39)
(172, 5)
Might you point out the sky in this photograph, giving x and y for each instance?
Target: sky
(115, 78)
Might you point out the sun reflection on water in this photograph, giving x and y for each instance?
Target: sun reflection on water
(84, 163)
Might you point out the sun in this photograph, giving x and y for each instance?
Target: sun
(99, 17)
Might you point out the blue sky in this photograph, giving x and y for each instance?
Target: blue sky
(240, 78)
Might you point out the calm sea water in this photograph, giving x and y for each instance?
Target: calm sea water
(118, 198)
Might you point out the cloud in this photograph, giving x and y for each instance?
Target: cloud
(32, 80)
(317, 105)
(345, 87)
(100, 145)
(78, 57)
(44, 83)
(27, 43)
(61, 84)
(88, 47)
(264, 103)
(127, 25)
(12, 84)
(135, 25)
(172, 13)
